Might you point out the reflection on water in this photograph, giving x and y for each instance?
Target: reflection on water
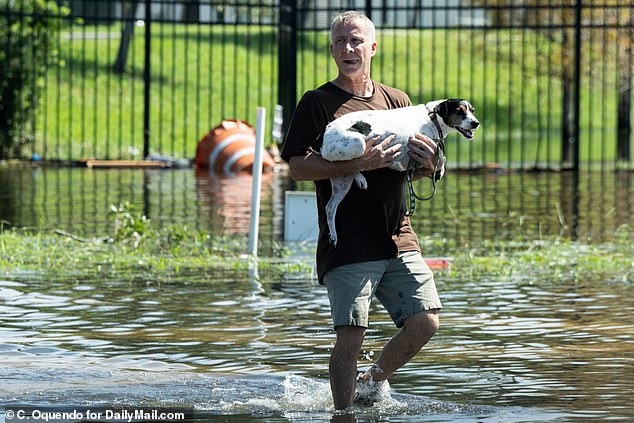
(228, 200)
(78, 200)
(468, 208)
(505, 349)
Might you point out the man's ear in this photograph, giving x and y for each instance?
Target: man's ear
(373, 48)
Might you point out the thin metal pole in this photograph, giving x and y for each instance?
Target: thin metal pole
(256, 189)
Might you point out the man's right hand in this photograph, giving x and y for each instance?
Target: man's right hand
(379, 153)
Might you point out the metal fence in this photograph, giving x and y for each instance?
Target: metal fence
(550, 79)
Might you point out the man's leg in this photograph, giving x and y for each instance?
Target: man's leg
(343, 364)
(350, 291)
(416, 332)
(408, 292)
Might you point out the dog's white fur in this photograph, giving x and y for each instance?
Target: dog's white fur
(343, 143)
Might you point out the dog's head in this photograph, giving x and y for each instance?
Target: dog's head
(458, 114)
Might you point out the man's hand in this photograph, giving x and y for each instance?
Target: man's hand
(378, 152)
(424, 151)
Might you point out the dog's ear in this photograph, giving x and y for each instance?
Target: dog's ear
(442, 109)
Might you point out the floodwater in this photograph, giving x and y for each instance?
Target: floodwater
(247, 347)
(468, 208)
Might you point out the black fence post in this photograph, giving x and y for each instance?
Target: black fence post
(624, 101)
(287, 60)
(146, 79)
(577, 87)
(577, 113)
(572, 100)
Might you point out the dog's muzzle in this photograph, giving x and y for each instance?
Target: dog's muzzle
(468, 133)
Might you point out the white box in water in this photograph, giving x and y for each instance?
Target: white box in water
(300, 216)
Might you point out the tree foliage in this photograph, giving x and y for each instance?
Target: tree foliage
(27, 28)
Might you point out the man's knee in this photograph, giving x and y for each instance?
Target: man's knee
(350, 339)
(424, 324)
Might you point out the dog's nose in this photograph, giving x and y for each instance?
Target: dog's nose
(474, 124)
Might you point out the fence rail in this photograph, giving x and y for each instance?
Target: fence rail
(551, 80)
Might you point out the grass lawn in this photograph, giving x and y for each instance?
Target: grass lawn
(160, 255)
(202, 74)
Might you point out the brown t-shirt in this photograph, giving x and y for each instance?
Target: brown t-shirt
(370, 223)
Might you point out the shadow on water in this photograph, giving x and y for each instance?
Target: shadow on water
(238, 349)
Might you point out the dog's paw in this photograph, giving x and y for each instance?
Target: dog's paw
(361, 181)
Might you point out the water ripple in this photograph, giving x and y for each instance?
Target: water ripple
(556, 348)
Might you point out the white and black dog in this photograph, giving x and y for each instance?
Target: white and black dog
(345, 138)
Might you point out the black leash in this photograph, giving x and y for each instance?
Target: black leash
(440, 143)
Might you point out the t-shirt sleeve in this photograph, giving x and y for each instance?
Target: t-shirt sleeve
(305, 129)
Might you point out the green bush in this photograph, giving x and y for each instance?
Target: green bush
(27, 31)
(129, 225)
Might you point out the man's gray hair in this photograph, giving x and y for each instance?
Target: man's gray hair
(350, 15)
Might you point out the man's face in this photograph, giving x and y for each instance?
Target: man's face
(352, 48)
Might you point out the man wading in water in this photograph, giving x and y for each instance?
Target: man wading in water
(378, 252)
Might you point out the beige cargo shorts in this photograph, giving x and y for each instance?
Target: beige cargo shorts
(404, 285)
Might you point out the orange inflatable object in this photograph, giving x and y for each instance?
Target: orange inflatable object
(438, 263)
(229, 149)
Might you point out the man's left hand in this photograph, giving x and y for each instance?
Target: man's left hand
(424, 151)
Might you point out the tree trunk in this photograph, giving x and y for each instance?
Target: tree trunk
(129, 14)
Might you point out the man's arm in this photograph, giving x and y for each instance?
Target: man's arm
(312, 167)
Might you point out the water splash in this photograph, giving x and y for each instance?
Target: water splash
(238, 398)
(304, 394)
(297, 395)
